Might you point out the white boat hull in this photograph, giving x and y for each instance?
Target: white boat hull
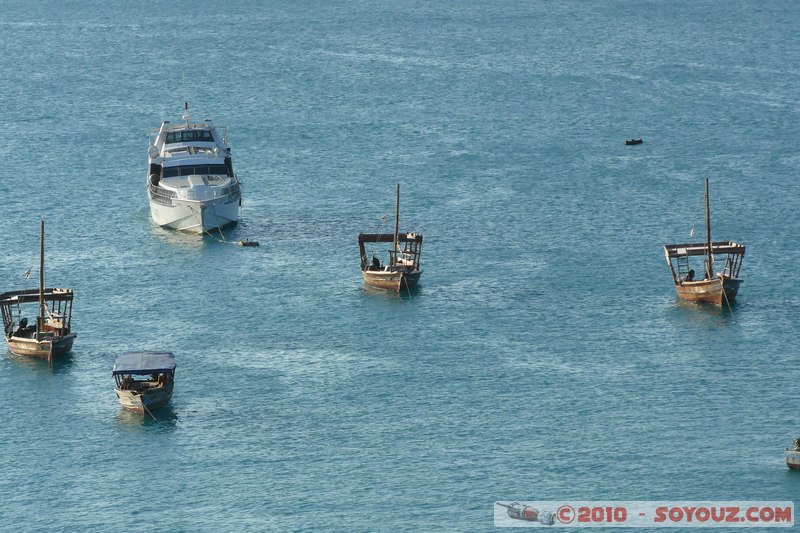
(190, 178)
(793, 459)
(196, 216)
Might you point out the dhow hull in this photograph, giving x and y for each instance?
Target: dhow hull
(717, 291)
(44, 349)
(393, 281)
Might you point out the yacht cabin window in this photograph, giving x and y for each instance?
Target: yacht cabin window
(188, 170)
(189, 136)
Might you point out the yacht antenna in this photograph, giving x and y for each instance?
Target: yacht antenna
(186, 116)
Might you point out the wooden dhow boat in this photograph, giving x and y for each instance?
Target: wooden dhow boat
(718, 288)
(50, 335)
(402, 271)
(144, 380)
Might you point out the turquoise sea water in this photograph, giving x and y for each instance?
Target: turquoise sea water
(544, 356)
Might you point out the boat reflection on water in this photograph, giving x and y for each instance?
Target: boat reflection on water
(704, 316)
(705, 310)
(396, 296)
(234, 235)
(60, 365)
(164, 418)
(187, 241)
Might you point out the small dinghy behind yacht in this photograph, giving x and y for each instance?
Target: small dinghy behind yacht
(144, 380)
(190, 178)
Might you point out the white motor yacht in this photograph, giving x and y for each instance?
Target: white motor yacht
(190, 178)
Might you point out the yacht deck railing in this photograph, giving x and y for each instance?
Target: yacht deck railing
(161, 195)
(164, 196)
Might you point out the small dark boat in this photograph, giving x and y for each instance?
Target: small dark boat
(634, 141)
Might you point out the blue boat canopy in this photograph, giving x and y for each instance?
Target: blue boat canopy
(144, 363)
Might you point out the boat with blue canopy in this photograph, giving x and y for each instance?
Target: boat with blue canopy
(144, 379)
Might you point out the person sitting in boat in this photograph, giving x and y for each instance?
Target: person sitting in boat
(23, 324)
(689, 276)
(376, 263)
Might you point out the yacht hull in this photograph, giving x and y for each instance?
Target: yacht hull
(716, 291)
(196, 216)
(190, 178)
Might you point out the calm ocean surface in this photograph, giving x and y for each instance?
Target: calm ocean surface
(544, 356)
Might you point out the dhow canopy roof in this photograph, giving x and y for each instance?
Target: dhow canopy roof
(144, 363)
